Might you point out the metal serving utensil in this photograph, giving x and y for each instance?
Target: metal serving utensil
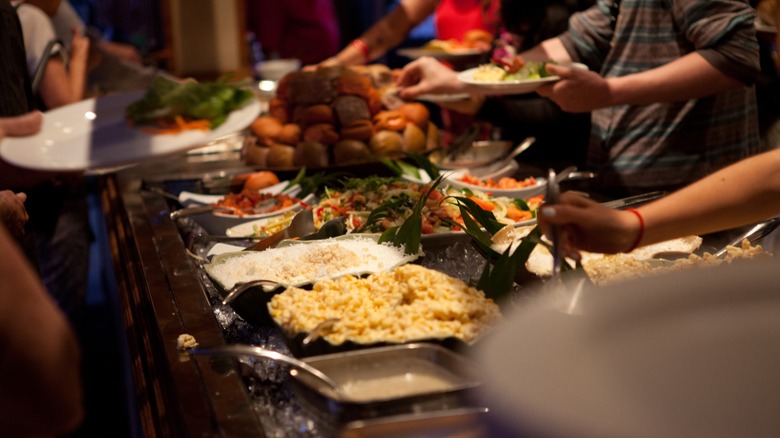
(240, 288)
(552, 197)
(250, 350)
(300, 225)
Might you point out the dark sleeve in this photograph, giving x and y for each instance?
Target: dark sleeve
(589, 35)
(723, 32)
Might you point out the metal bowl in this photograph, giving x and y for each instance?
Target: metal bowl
(479, 153)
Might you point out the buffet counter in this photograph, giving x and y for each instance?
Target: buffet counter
(161, 298)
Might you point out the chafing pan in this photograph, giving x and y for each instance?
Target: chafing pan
(384, 381)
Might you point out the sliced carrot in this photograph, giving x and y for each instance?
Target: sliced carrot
(483, 204)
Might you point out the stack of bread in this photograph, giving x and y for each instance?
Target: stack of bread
(335, 116)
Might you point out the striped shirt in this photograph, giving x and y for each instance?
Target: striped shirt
(667, 145)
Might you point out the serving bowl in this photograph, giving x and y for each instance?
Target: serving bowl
(478, 153)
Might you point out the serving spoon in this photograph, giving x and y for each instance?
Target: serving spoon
(251, 350)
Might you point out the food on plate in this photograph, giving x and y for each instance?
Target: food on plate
(306, 262)
(335, 104)
(609, 268)
(250, 202)
(478, 38)
(357, 198)
(406, 304)
(518, 71)
(170, 107)
(502, 183)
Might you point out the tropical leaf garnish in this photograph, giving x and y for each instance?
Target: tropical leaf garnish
(408, 234)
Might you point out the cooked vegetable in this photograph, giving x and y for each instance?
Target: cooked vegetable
(171, 107)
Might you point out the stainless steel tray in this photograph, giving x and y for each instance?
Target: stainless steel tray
(385, 381)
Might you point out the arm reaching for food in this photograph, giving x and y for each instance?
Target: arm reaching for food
(741, 194)
(427, 75)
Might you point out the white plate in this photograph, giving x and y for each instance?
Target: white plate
(509, 87)
(438, 54)
(218, 223)
(247, 228)
(93, 134)
(688, 354)
(190, 198)
(526, 192)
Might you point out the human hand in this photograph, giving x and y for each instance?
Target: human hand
(12, 212)
(578, 91)
(19, 126)
(589, 226)
(427, 75)
(79, 46)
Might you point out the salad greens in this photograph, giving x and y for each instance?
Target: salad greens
(189, 100)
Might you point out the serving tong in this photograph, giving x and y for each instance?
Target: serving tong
(552, 197)
(234, 350)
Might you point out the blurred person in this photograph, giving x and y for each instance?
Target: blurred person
(740, 194)
(63, 73)
(453, 19)
(60, 233)
(302, 29)
(15, 82)
(40, 365)
(666, 110)
(561, 137)
(12, 212)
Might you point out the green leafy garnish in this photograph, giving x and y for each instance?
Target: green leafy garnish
(166, 100)
(409, 233)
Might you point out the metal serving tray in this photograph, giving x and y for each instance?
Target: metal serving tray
(384, 381)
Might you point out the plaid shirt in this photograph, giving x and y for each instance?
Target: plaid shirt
(666, 145)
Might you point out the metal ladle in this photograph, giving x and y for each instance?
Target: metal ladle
(250, 350)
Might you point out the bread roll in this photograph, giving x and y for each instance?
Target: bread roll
(254, 154)
(311, 154)
(280, 155)
(414, 139)
(321, 132)
(266, 129)
(351, 108)
(389, 120)
(308, 88)
(290, 134)
(354, 83)
(279, 109)
(358, 130)
(416, 113)
(351, 151)
(306, 115)
(386, 143)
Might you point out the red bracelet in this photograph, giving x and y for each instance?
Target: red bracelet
(361, 45)
(641, 228)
